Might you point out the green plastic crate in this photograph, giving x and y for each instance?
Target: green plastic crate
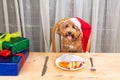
(16, 44)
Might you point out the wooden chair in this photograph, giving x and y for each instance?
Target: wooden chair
(53, 37)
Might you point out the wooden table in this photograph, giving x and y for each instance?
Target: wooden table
(107, 68)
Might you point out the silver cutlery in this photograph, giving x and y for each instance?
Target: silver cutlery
(45, 66)
(92, 67)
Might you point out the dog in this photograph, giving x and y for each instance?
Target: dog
(71, 36)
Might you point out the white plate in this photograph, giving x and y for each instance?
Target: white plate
(78, 59)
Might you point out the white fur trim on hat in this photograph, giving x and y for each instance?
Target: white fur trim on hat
(77, 23)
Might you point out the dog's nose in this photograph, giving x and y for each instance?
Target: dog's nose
(69, 33)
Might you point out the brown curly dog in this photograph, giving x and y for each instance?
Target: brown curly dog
(71, 36)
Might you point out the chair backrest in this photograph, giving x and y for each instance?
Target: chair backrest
(86, 28)
(54, 32)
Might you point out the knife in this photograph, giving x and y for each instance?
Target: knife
(45, 66)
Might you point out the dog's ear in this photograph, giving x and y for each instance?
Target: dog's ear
(58, 30)
(81, 34)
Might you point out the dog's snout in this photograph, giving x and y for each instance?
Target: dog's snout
(69, 32)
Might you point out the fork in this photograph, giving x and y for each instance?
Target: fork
(92, 67)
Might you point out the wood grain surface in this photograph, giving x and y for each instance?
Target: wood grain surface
(107, 68)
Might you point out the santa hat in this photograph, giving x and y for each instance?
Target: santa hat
(77, 23)
(85, 28)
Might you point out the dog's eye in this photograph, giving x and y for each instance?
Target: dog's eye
(73, 27)
(66, 26)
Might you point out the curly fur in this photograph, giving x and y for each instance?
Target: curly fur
(71, 40)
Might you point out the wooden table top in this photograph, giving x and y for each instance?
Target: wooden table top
(107, 68)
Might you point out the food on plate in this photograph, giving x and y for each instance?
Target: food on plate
(71, 64)
(64, 64)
